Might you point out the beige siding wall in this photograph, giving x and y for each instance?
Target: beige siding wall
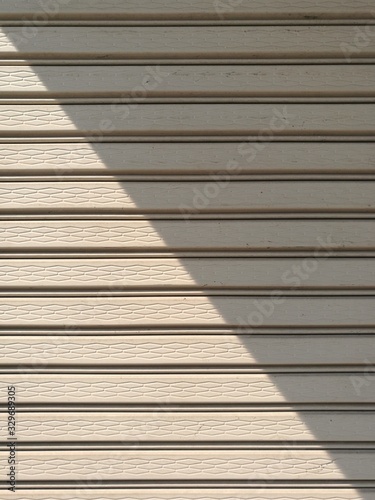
(187, 249)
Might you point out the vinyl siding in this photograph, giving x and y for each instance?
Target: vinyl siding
(187, 249)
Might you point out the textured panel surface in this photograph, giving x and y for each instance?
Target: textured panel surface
(198, 494)
(197, 349)
(189, 119)
(186, 350)
(192, 81)
(194, 389)
(203, 42)
(316, 237)
(61, 160)
(213, 312)
(116, 275)
(214, 427)
(189, 197)
(179, 465)
(193, 9)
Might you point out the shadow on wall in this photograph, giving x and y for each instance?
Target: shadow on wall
(253, 319)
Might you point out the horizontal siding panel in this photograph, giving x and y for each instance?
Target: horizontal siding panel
(134, 360)
(209, 312)
(287, 237)
(60, 161)
(216, 428)
(190, 119)
(243, 274)
(269, 197)
(189, 9)
(158, 352)
(187, 465)
(190, 43)
(226, 389)
(197, 494)
(139, 82)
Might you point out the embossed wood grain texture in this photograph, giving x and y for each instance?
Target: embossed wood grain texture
(214, 427)
(244, 274)
(204, 389)
(197, 494)
(189, 9)
(213, 312)
(270, 197)
(187, 351)
(60, 161)
(310, 237)
(250, 465)
(139, 82)
(188, 120)
(189, 43)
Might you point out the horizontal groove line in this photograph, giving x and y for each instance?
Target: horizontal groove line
(95, 136)
(217, 215)
(227, 98)
(282, 412)
(45, 139)
(197, 61)
(70, 254)
(183, 214)
(192, 407)
(242, 493)
(147, 409)
(186, 23)
(201, 101)
(259, 292)
(204, 23)
(37, 332)
(45, 175)
(331, 141)
(205, 483)
(192, 57)
(198, 329)
(240, 19)
(181, 446)
(9, 369)
(151, 330)
(33, 177)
